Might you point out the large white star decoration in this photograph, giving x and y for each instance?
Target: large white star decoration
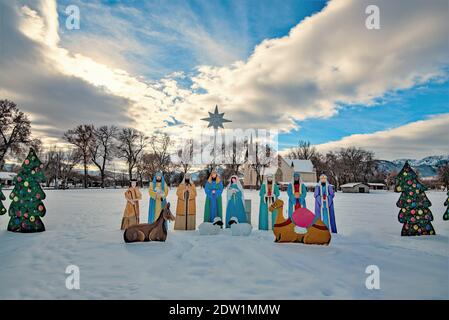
(216, 119)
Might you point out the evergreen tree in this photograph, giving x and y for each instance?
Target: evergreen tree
(2, 198)
(446, 204)
(27, 207)
(415, 213)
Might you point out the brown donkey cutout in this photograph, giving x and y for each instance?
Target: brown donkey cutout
(157, 231)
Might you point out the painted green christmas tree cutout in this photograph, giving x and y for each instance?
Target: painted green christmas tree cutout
(2, 198)
(415, 214)
(446, 204)
(27, 207)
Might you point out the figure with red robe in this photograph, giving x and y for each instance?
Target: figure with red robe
(297, 192)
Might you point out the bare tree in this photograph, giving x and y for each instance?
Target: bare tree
(350, 165)
(15, 130)
(391, 179)
(160, 146)
(81, 137)
(67, 160)
(263, 156)
(358, 164)
(334, 170)
(304, 151)
(443, 174)
(234, 156)
(102, 148)
(185, 156)
(59, 165)
(50, 167)
(131, 143)
(148, 165)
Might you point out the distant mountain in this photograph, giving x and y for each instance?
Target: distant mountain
(427, 167)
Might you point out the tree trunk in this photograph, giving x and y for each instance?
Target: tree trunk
(102, 178)
(85, 173)
(2, 159)
(130, 173)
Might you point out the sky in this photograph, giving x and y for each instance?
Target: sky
(307, 68)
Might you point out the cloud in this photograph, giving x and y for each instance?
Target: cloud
(331, 59)
(327, 60)
(414, 140)
(54, 101)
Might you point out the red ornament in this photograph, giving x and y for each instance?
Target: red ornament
(27, 161)
(25, 215)
(40, 208)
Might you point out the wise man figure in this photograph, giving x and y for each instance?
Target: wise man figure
(268, 194)
(186, 207)
(131, 216)
(213, 205)
(297, 192)
(324, 203)
(158, 196)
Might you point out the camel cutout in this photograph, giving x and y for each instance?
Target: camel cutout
(284, 229)
(144, 232)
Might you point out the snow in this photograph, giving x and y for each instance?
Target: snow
(83, 230)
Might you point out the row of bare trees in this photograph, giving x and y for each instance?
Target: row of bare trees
(101, 146)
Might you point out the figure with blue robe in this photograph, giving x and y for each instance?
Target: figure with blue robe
(235, 202)
(158, 196)
(324, 203)
(213, 206)
(268, 194)
(297, 192)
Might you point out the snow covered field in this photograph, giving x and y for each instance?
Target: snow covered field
(83, 229)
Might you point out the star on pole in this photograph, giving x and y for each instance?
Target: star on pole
(216, 119)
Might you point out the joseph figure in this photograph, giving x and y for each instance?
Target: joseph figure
(186, 207)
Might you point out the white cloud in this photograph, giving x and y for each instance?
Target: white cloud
(331, 58)
(326, 60)
(414, 140)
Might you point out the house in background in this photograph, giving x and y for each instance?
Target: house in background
(377, 186)
(7, 178)
(283, 173)
(307, 170)
(356, 187)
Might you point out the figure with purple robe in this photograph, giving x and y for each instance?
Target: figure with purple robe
(324, 203)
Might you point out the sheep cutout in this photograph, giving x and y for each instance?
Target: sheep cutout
(240, 229)
(211, 229)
